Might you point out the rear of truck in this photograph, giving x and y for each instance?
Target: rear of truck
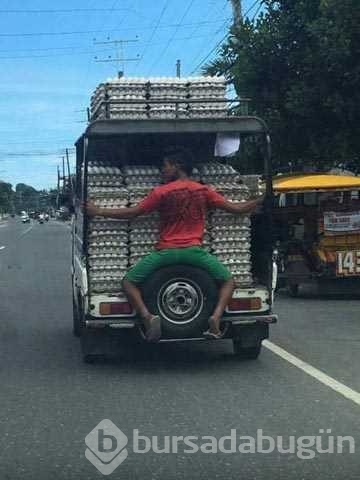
(118, 164)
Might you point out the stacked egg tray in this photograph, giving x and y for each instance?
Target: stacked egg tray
(159, 98)
(143, 235)
(230, 242)
(116, 245)
(107, 238)
(230, 234)
(255, 184)
(132, 92)
(144, 231)
(108, 254)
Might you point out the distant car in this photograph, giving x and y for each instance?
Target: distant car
(25, 218)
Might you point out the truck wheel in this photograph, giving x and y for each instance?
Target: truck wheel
(78, 315)
(184, 297)
(246, 353)
(76, 319)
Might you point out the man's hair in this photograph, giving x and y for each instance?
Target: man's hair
(181, 157)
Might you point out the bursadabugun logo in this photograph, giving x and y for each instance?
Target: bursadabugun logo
(106, 447)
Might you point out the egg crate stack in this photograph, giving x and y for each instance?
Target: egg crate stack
(144, 231)
(255, 184)
(143, 236)
(207, 242)
(207, 89)
(131, 92)
(207, 110)
(230, 242)
(195, 175)
(230, 234)
(108, 177)
(152, 98)
(167, 89)
(107, 238)
(108, 254)
(218, 174)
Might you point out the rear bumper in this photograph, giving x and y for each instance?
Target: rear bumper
(129, 323)
(252, 319)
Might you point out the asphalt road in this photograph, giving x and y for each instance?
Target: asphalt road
(51, 400)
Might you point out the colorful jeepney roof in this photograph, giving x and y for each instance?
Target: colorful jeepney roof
(314, 183)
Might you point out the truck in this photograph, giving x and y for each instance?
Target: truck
(317, 224)
(117, 163)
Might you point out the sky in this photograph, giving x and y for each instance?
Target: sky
(51, 52)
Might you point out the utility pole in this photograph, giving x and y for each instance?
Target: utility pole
(178, 68)
(63, 176)
(119, 58)
(237, 12)
(58, 189)
(71, 186)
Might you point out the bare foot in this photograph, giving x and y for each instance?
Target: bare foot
(214, 327)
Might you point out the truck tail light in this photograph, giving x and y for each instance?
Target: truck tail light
(238, 304)
(116, 308)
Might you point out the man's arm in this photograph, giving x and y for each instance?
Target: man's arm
(118, 213)
(149, 204)
(241, 207)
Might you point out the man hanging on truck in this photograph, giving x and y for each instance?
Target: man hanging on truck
(182, 204)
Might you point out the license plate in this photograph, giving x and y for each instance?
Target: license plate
(348, 263)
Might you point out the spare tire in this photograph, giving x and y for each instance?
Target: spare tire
(184, 297)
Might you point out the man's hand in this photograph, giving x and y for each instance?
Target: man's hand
(124, 213)
(248, 207)
(91, 209)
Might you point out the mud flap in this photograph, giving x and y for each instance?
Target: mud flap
(250, 335)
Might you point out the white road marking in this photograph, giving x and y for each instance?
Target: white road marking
(2, 248)
(314, 372)
(26, 231)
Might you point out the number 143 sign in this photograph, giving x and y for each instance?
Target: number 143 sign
(348, 263)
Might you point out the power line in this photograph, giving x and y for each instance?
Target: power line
(257, 11)
(85, 32)
(204, 45)
(252, 6)
(74, 47)
(86, 72)
(232, 64)
(153, 32)
(38, 142)
(32, 154)
(213, 6)
(47, 49)
(92, 52)
(53, 55)
(222, 40)
(119, 47)
(171, 38)
(209, 54)
(214, 36)
(71, 10)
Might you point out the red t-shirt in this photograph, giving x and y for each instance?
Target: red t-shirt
(182, 206)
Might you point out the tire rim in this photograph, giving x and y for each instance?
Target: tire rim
(180, 301)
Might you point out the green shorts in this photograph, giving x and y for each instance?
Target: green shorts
(194, 256)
